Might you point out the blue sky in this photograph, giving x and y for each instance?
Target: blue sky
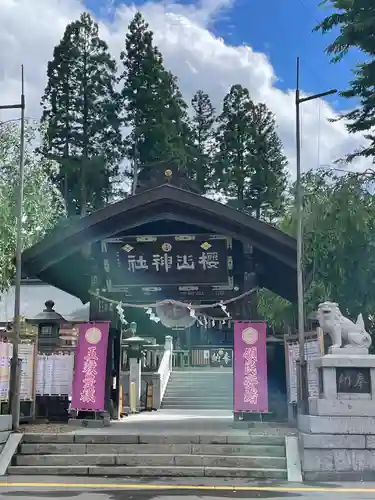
(250, 29)
(283, 30)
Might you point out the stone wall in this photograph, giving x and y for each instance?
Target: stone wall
(332, 455)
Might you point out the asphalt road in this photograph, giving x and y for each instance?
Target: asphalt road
(37, 487)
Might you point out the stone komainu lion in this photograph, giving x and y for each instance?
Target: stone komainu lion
(343, 332)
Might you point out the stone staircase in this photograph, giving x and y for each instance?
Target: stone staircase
(176, 455)
(199, 390)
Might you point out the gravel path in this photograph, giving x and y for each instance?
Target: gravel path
(53, 428)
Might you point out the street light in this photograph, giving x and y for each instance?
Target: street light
(15, 365)
(302, 378)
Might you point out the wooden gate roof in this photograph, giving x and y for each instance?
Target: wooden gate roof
(58, 259)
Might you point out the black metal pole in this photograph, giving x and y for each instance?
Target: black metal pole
(15, 366)
(302, 367)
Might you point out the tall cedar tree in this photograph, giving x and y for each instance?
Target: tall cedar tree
(250, 164)
(154, 106)
(200, 165)
(81, 117)
(355, 20)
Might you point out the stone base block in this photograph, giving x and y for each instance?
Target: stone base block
(333, 456)
(334, 460)
(340, 477)
(332, 441)
(342, 360)
(347, 350)
(92, 424)
(342, 407)
(315, 424)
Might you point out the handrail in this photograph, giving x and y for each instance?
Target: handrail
(164, 371)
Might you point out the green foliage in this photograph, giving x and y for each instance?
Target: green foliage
(81, 117)
(339, 241)
(43, 204)
(250, 164)
(200, 164)
(355, 21)
(154, 107)
(280, 314)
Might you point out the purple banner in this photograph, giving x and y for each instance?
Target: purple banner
(250, 367)
(90, 367)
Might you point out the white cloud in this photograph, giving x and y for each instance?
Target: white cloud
(30, 30)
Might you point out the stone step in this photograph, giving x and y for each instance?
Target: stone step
(202, 377)
(261, 436)
(151, 471)
(186, 405)
(190, 395)
(191, 404)
(195, 394)
(262, 446)
(206, 373)
(202, 380)
(202, 389)
(208, 388)
(199, 383)
(166, 460)
(198, 392)
(199, 399)
(195, 407)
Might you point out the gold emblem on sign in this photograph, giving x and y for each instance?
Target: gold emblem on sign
(206, 245)
(250, 336)
(128, 248)
(166, 247)
(93, 336)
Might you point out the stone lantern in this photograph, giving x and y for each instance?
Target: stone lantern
(48, 322)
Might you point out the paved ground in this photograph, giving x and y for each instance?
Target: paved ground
(20, 488)
(171, 422)
(188, 422)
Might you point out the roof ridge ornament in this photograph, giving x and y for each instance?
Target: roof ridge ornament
(165, 174)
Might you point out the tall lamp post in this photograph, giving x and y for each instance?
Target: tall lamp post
(15, 365)
(302, 378)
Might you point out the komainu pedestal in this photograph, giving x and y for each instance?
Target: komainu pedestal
(338, 435)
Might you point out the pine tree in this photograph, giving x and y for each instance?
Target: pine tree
(81, 117)
(232, 163)
(355, 20)
(154, 106)
(250, 164)
(266, 191)
(200, 165)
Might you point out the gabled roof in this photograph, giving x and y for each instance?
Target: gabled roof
(62, 249)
